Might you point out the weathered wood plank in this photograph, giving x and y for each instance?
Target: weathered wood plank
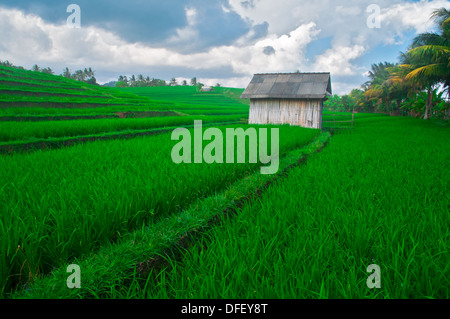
(306, 113)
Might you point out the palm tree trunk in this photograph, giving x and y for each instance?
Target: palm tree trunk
(399, 106)
(388, 106)
(429, 103)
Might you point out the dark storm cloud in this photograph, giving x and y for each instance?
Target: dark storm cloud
(150, 21)
(215, 26)
(135, 20)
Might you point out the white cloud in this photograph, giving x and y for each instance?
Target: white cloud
(346, 24)
(288, 52)
(90, 45)
(338, 60)
(341, 88)
(348, 15)
(348, 11)
(291, 27)
(236, 82)
(414, 15)
(189, 33)
(225, 9)
(23, 34)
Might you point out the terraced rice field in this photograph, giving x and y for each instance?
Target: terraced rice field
(45, 111)
(141, 226)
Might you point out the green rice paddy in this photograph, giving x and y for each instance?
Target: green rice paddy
(141, 226)
(307, 238)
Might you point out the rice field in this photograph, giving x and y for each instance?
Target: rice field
(65, 203)
(141, 226)
(22, 131)
(306, 238)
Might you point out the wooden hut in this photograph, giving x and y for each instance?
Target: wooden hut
(207, 89)
(288, 98)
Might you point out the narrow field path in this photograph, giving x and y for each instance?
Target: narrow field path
(136, 254)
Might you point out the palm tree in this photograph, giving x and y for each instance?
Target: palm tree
(399, 89)
(66, 73)
(6, 63)
(429, 58)
(133, 80)
(379, 73)
(173, 82)
(378, 88)
(90, 73)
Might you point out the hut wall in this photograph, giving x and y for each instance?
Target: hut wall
(306, 113)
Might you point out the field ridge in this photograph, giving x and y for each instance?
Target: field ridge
(136, 254)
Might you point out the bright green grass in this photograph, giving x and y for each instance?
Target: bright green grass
(72, 100)
(331, 120)
(50, 90)
(80, 94)
(180, 95)
(113, 267)
(41, 82)
(87, 99)
(188, 95)
(47, 80)
(26, 131)
(110, 109)
(21, 74)
(377, 195)
(61, 204)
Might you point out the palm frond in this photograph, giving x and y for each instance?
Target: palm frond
(429, 71)
(435, 52)
(441, 16)
(428, 39)
(446, 21)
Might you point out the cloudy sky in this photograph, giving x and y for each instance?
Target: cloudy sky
(218, 41)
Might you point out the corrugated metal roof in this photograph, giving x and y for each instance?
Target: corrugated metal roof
(289, 86)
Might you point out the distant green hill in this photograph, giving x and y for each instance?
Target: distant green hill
(42, 110)
(25, 93)
(189, 100)
(30, 89)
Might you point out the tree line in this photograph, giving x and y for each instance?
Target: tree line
(417, 85)
(87, 75)
(145, 81)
